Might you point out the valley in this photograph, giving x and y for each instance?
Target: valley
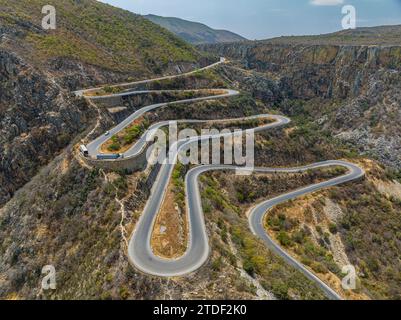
(324, 192)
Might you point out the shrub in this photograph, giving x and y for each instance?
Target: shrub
(284, 239)
(111, 90)
(114, 147)
(318, 267)
(280, 290)
(249, 267)
(298, 237)
(217, 264)
(333, 228)
(124, 293)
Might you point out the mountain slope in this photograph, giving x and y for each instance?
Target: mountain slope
(194, 32)
(93, 33)
(93, 44)
(342, 88)
(355, 74)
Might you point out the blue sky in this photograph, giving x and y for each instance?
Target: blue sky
(261, 19)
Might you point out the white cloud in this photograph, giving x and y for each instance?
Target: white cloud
(326, 2)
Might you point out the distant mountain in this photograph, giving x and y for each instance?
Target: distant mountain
(380, 35)
(194, 32)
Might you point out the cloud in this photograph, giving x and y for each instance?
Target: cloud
(326, 2)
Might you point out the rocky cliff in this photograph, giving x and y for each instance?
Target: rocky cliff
(355, 88)
(93, 44)
(37, 119)
(307, 71)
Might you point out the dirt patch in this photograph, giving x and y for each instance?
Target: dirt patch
(64, 165)
(332, 210)
(169, 237)
(116, 109)
(338, 250)
(390, 189)
(335, 283)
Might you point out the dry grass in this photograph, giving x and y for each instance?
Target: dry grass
(170, 233)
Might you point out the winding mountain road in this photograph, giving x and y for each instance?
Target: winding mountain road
(140, 252)
(85, 92)
(95, 146)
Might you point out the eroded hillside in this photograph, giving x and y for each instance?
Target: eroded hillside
(57, 210)
(351, 89)
(79, 219)
(93, 44)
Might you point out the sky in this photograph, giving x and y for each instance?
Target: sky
(262, 19)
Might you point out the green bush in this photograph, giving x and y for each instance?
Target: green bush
(318, 267)
(249, 267)
(333, 228)
(111, 90)
(280, 290)
(298, 237)
(217, 264)
(284, 239)
(114, 147)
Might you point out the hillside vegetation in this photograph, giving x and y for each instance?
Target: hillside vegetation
(93, 44)
(94, 33)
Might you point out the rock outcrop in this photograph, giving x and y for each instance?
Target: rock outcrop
(360, 82)
(37, 120)
(39, 69)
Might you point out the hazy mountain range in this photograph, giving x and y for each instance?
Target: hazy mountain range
(194, 32)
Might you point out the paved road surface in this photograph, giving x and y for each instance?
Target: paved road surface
(95, 145)
(140, 252)
(130, 84)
